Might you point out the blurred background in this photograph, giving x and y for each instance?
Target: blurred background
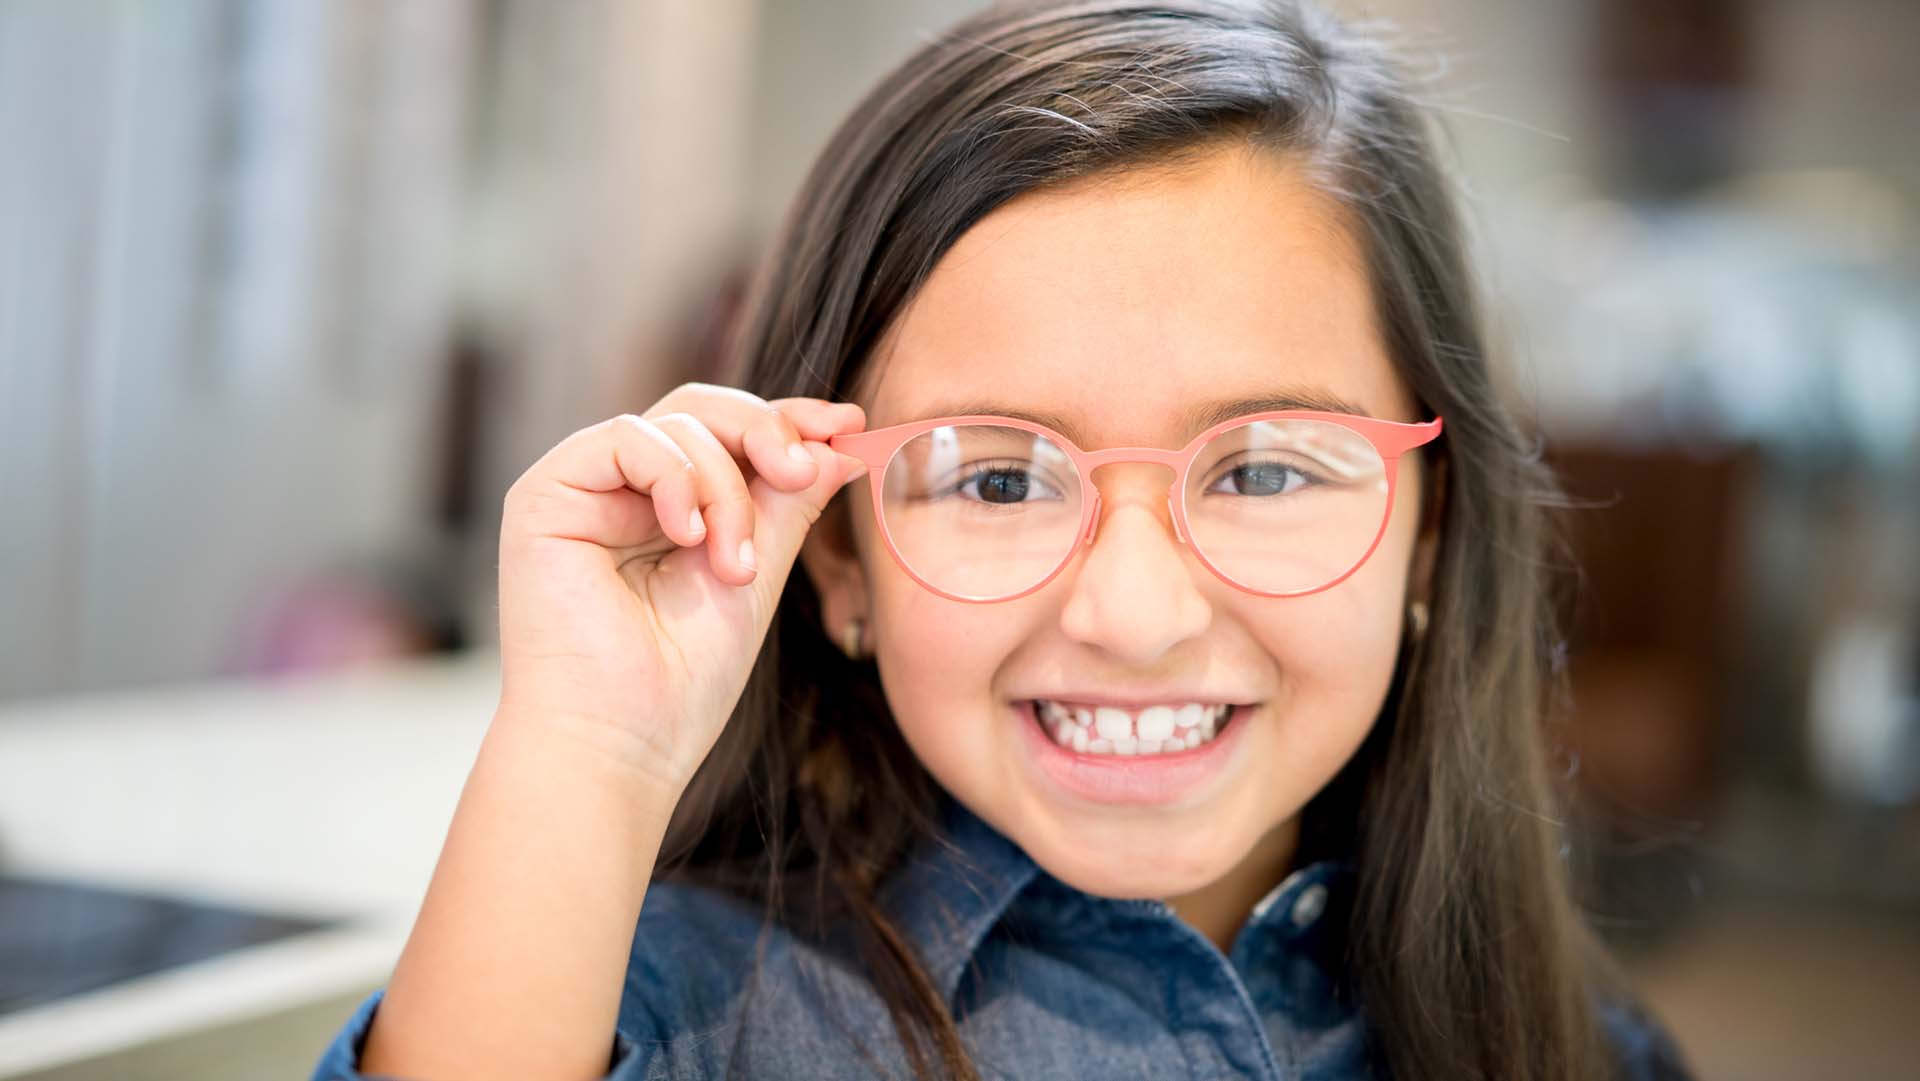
(292, 290)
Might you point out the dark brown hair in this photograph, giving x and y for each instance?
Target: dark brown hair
(1469, 958)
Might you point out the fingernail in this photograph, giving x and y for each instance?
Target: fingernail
(799, 454)
(746, 554)
(694, 523)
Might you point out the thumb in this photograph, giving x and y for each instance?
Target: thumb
(781, 519)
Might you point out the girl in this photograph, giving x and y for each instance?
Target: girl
(1161, 697)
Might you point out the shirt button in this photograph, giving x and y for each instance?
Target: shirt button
(1308, 906)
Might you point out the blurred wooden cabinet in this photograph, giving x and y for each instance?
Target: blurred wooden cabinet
(1652, 629)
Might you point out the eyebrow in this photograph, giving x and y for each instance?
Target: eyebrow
(1193, 421)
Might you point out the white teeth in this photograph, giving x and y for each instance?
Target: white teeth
(1155, 723)
(1106, 730)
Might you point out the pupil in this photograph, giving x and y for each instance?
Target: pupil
(1270, 478)
(1004, 482)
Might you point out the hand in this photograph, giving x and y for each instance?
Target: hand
(629, 613)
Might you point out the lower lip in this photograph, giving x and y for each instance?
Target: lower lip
(1131, 780)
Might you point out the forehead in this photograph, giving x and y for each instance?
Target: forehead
(1121, 304)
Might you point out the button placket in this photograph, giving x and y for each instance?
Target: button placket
(1309, 905)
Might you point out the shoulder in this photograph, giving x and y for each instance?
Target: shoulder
(695, 942)
(687, 972)
(1643, 1047)
(700, 952)
(714, 984)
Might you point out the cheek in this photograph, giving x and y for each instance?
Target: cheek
(937, 657)
(1337, 643)
(937, 661)
(1335, 653)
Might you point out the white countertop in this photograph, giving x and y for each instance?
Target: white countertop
(314, 795)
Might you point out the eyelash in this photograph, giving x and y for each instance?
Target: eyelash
(978, 470)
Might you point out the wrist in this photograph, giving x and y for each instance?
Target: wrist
(586, 751)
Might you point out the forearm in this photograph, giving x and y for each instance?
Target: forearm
(516, 963)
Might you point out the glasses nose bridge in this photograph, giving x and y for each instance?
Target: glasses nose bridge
(1098, 460)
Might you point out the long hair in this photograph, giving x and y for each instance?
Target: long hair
(1467, 953)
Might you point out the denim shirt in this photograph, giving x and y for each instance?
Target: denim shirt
(1046, 981)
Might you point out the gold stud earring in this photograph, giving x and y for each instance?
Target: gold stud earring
(1417, 615)
(850, 640)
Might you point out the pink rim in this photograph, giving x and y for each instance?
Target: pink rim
(1391, 438)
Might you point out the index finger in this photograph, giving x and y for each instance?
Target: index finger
(817, 418)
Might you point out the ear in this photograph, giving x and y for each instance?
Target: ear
(1427, 542)
(1426, 545)
(831, 560)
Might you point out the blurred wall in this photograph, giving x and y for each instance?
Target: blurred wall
(225, 236)
(237, 239)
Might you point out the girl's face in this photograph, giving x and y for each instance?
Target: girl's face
(1120, 306)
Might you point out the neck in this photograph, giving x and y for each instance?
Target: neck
(1219, 909)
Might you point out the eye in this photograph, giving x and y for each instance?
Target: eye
(1269, 478)
(1004, 484)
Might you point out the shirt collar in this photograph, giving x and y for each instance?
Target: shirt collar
(954, 886)
(957, 884)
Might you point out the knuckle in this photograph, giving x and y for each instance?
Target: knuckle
(657, 436)
(694, 427)
(734, 394)
(616, 426)
(780, 421)
(522, 484)
(527, 499)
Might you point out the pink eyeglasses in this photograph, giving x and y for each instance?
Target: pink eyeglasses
(986, 508)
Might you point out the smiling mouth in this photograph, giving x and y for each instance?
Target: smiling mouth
(1155, 731)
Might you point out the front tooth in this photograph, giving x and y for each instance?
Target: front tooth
(1112, 723)
(1126, 745)
(1084, 717)
(1155, 723)
(1188, 716)
(1150, 746)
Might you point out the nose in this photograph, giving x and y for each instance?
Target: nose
(1133, 593)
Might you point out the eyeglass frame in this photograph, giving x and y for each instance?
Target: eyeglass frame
(877, 448)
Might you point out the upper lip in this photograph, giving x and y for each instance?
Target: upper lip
(1137, 702)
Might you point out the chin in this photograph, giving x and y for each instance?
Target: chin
(1136, 873)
